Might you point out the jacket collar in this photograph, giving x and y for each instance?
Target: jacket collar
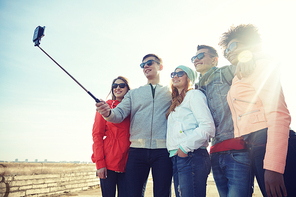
(203, 78)
(112, 103)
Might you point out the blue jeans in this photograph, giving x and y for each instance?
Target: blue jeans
(232, 173)
(139, 163)
(108, 185)
(256, 143)
(191, 173)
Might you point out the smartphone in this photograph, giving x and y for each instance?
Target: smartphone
(38, 34)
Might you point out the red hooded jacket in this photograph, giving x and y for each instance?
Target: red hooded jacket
(111, 142)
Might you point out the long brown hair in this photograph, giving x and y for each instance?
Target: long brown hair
(125, 80)
(177, 98)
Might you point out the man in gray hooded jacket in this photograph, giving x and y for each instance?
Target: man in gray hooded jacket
(147, 106)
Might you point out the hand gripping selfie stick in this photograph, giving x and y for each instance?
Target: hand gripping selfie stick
(38, 34)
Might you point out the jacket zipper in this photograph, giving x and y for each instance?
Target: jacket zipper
(239, 117)
(153, 95)
(234, 99)
(112, 106)
(232, 107)
(152, 124)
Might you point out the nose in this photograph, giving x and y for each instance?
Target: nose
(196, 60)
(226, 53)
(145, 66)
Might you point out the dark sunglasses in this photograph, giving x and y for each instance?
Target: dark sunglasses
(149, 63)
(198, 56)
(121, 85)
(179, 74)
(231, 47)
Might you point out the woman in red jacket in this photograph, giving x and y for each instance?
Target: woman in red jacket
(111, 145)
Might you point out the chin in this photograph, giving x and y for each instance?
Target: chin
(175, 86)
(234, 63)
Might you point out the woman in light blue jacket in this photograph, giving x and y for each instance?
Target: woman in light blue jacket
(190, 126)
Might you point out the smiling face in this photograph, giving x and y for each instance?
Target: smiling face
(152, 71)
(119, 92)
(180, 82)
(235, 51)
(206, 63)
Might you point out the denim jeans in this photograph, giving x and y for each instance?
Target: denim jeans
(108, 185)
(139, 163)
(232, 173)
(256, 143)
(190, 173)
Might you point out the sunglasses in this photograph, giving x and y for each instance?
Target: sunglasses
(121, 85)
(231, 47)
(179, 74)
(198, 56)
(149, 63)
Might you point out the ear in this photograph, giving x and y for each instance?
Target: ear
(160, 67)
(188, 81)
(215, 61)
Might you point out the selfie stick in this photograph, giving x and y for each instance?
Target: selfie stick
(38, 34)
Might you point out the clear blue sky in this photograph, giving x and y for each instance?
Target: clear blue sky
(46, 115)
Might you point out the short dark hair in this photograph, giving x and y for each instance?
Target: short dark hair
(125, 80)
(246, 33)
(212, 50)
(153, 55)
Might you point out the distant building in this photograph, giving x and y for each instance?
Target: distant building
(26, 160)
(16, 160)
(36, 160)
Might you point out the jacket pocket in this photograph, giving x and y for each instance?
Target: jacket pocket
(175, 135)
(241, 157)
(259, 117)
(253, 116)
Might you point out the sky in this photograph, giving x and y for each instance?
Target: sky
(44, 114)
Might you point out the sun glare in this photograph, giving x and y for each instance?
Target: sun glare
(280, 49)
(245, 56)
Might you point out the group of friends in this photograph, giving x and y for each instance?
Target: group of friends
(239, 108)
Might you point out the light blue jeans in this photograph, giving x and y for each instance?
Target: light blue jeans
(232, 173)
(190, 173)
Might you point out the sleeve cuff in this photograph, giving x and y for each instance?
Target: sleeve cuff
(110, 116)
(100, 165)
(183, 150)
